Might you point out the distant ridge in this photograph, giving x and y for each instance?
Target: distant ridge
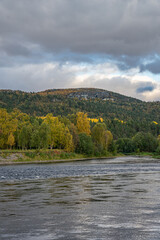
(71, 92)
(80, 91)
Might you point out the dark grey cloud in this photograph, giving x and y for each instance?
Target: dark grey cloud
(14, 48)
(153, 67)
(145, 89)
(88, 26)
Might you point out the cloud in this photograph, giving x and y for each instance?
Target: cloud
(104, 26)
(152, 66)
(145, 89)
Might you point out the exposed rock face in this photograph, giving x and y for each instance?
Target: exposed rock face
(90, 94)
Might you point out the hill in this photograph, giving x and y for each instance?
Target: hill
(96, 102)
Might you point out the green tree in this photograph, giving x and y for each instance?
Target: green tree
(44, 135)
(24, 137)
(85, 145)
(99, 134)
(125, 145)
(35, 137)
(145, 142)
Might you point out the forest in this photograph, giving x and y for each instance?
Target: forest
(77, 133)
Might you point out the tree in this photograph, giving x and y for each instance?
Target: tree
(83, 124)
(11, 140)
(44, 135)
(99, 134)
(35, 137)
(52, 123)
(109, 138)
(69, 145)
(8, 125)
(85, 144)
(145, 142)
(125, 145)
(74, 132)
(24, 137)
(60, 136)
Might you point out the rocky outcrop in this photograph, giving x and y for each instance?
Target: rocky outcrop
(90, 94)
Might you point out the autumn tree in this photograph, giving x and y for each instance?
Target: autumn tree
(83, 124)
(68, 145)
(11, 140)
(99, 134)
(74, 132)
(8, 125)
(109, 139)
(60, 136)
(101, 137)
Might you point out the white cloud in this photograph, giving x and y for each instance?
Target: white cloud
(38, 77)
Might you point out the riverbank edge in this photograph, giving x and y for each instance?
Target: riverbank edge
(65, 160)
(19, 157)
(56, 161)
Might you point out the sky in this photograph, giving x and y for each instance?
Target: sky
(107, 44)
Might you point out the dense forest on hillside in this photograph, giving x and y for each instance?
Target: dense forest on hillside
(96, 102)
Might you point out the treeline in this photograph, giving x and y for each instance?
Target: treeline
(74, 133)
(21, 131)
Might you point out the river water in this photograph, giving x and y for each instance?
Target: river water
(111, 199)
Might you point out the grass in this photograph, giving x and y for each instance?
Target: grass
(43, 155)
(49, 155)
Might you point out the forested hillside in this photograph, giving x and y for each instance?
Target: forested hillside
(95, 102)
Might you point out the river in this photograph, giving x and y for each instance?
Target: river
(110, 199)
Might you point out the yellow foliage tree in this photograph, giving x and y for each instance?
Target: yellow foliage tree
(50, 120)
(60, 134)
(109, 138)
(101, 136)
(11, 140)
(8, 125)
(83, 124)
(69, 145)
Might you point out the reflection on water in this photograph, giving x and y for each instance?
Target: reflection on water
(96, 200)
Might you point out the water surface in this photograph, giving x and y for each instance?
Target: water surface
(113, 199)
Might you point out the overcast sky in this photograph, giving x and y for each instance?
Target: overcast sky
(109, 44)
